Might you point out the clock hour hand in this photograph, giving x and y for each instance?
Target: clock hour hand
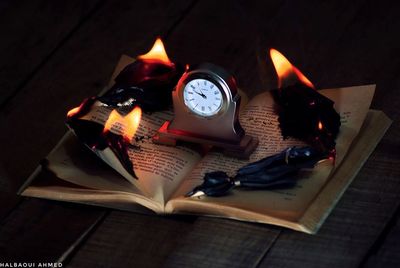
(201, 94)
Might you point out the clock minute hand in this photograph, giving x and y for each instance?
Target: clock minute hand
(201, 94)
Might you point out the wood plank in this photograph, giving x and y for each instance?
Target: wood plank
(188, 255)
(80, 68)
(360, 217)
(205, 241)
(8, 202)
(41, 231)
(223, 243)
(135, 240)
(207, 44)
(8, 198)
(31, 32)
(124, 239)
(386, 252)
(238, 55)
(281, 31)
(352, 228)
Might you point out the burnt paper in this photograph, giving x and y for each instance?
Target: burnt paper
(147, 84)
(307, 115)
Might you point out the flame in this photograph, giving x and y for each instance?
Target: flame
(127, 124)
(157, 52)
(76, 110)
(286, 71)
(73, 111)
(320, 126)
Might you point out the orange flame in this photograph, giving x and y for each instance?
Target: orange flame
(73, 111)
(157, 53)
(320, 126)
(288, 74)
(127, 124)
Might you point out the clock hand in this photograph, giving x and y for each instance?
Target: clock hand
(201, 94)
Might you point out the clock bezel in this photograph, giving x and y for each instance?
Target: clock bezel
(214, 78)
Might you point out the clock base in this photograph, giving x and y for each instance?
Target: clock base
(241, 149)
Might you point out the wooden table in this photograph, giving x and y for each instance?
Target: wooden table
(55, 53)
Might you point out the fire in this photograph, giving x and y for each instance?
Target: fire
(127, 124)
(288, 74)
(76, 110)
(157, 53)
(320, 126)
(73, 111)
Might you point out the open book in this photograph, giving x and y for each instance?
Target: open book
(167, 173)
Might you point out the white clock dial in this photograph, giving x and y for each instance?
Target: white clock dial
(202, 97)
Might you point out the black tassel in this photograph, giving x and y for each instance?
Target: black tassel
(276, 171)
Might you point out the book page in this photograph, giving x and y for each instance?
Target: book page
(52, 186)
(374, 127)
(159, 168)
(259, 119)
(74, 163)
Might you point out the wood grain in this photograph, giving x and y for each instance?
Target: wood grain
(126, 235)
(223, 243)
(31, 32)
(79, 68)
(153, 241)
(8, 202)
(239, 56)
(338, 43)
(304, 38)
(41, 231)
(218, 243)
(352, 228)
(365, 209)
(225, 33)
(386, 250)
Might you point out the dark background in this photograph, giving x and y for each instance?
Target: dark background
(55, 53)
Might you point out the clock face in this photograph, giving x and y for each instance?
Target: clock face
(203, 97)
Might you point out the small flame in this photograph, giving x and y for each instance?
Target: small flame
(73, 111)
(286, 71)
(127, 124)
(157, 53)
(320, 126)
(76, 110)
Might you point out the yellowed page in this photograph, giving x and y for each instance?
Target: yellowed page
(61, 190)
(259, 120)
(353, 104)
(71, 162)
(374, 127)
(105, 198)
(74, 163)
(159, 168)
